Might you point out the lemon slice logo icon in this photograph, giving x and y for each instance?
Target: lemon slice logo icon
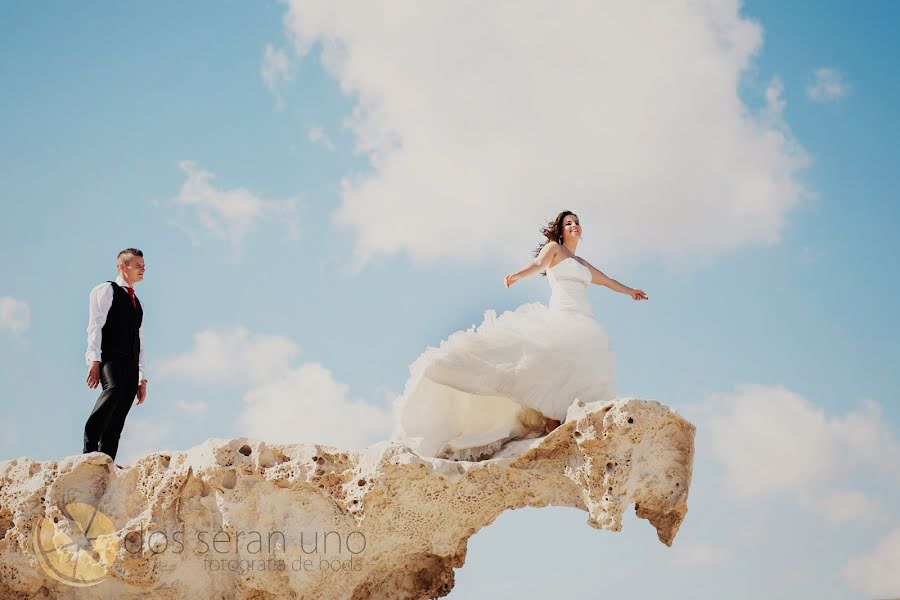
(82, 560)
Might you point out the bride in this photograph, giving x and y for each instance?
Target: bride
(514, 376)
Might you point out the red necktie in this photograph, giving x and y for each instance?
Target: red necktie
(130, 291)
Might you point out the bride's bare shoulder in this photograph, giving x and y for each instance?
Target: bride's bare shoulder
(551, 252)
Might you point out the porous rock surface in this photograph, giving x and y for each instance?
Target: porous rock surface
(386, 522)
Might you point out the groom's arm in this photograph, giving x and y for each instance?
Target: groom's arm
(142, 379)
(141, 376)
(99, 303)
(142, 382)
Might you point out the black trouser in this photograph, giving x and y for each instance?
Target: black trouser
(119, 379)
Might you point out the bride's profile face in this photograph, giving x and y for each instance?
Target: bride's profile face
(571, 228)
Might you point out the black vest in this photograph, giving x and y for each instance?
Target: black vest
(120, 336)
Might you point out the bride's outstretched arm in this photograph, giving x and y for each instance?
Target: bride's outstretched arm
(599, 278)
(541, 263)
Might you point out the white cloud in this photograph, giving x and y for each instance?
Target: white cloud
(307, 405)
(191, 408)
(232, 354)
(316, 134)
(877, 574)
(229, 215)
(698, 554)
(827, 85)
(840, 506)
(275, 69)
(141, 436)
(285, 402)
(774, 109)
(772, 440)
(15, 315)
(482, 120)
(8, 436)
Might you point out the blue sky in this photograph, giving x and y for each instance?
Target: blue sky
(101, 103)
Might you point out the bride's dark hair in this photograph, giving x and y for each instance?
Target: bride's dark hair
(553, 231)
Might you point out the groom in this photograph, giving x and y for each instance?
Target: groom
(115, 356)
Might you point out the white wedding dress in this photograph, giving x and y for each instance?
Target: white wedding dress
(468, 397)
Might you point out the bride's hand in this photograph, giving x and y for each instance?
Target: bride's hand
(638, 295)
(510, 279)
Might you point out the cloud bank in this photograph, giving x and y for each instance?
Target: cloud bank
(229, 215)
(482, 120)
(285, 402)
(774, 441)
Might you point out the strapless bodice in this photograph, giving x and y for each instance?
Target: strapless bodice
(568, 287)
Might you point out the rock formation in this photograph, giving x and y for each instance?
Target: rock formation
(243, 519)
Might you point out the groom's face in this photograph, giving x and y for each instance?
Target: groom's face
(133, 269)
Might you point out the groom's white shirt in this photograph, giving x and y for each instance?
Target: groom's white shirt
(98, 309)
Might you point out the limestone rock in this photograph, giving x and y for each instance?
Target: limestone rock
(242, 519)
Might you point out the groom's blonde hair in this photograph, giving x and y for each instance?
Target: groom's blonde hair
(127, 254)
